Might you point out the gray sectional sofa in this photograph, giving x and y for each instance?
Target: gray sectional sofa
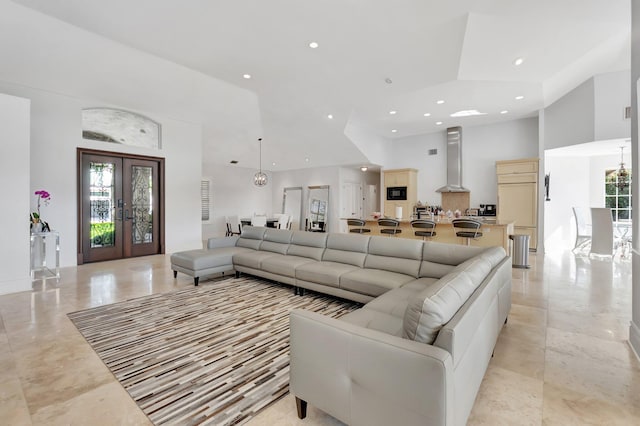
(415, 353)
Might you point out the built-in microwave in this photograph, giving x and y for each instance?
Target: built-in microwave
(396, 193)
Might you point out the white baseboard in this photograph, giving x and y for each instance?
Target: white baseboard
(15, 286)
(634, 339)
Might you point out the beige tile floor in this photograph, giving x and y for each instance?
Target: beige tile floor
(562, 359)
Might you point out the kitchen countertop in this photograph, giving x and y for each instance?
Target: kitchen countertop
(486, 220)
(495, 233)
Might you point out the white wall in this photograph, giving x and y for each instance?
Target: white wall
(634, 328)
(372, 145)
(570, 120)
(592, 111)
(234, 194)
(481, 147)
(612, 95)
(310, 177)
(569, 187)
(56, 133)
(14, 185)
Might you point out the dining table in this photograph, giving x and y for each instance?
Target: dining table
(272, 222)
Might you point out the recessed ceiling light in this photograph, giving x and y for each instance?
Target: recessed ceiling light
(364, 168)
(313, 45)
(427, 114)
(273, 164)
(467, 113)
(519, 98)
(394, 131)
(438, 123)
(330, 116)
(440, 102)
(504, 111)
(393, 112)
(306, 159)
(246, 76)
(518, 61)
(388, 80)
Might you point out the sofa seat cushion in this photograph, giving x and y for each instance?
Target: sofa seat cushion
(327, 273)
(420, 284)
(374, 320)
(201, 259)
(373, 282)
(393, 302)
(252, 259)
(284, 265)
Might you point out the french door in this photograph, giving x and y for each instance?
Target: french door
(120, 206)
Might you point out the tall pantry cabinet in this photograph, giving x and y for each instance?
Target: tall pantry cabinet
(518, 196)
(407, 178)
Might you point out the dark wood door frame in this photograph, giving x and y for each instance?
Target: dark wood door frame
(79, 185)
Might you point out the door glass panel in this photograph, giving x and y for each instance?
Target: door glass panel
(142, 204)
(101, 203)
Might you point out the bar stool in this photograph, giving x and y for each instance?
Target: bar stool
(469, 229)
(424, 228)
(389, 226)
(358, 224)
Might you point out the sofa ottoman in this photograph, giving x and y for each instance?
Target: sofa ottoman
(198, 263)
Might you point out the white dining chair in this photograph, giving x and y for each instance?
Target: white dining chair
(582, 216)
(233, 225)
(259, 220)
(283, 221)
(601, 232)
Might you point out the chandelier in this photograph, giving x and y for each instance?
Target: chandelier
(623, 174)
(260, 179)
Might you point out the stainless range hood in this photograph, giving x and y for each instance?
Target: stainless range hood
(454, 161)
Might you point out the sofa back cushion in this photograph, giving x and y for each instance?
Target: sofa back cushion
(276, 240)
(434, 306)
(308, 244)
(439, 259)
(251, 237)
(346, 248)
(400, 255)
(494, 255)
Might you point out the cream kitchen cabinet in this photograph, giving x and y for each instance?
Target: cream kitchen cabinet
(407, 178)
(518, 196)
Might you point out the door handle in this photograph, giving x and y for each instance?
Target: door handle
(126, 215)
(119, 214)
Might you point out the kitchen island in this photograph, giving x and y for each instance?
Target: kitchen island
(494, 233)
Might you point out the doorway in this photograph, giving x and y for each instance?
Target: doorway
(292, 206)
(120, 205)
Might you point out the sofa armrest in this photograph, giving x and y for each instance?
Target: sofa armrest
(363, 376)
(222, 242)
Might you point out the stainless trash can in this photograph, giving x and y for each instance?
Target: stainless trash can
(520, 251)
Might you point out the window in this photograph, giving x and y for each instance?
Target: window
(618, 200)
(205, 199)
(121, 127)
(318, 210)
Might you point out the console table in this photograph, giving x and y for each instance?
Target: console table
(41, 242)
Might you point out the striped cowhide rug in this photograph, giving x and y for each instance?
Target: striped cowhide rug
(214, 354)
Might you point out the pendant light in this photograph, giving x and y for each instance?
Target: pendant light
(260, 179)
(623, 174)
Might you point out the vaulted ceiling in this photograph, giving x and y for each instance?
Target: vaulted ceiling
(380, 66)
